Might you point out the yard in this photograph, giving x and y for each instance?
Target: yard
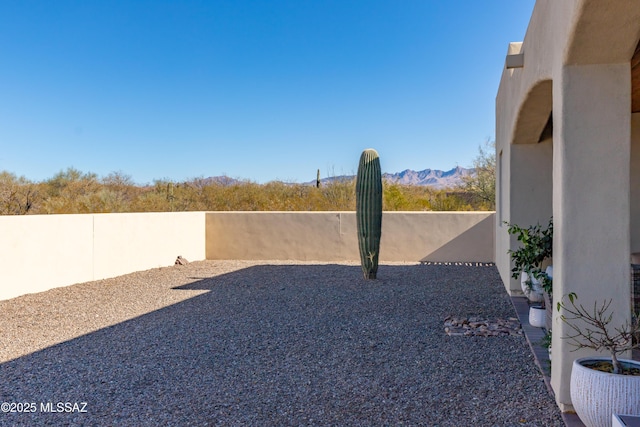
(270, 343)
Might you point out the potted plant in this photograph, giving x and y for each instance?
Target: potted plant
(537, 315)
(547, 285)
(536, 247)
(601, 386)
(545, 342)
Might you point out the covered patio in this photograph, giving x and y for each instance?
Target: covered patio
(568, 146)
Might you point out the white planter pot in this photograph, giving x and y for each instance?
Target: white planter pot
(535, 292)
(596, 395)
(537, 317)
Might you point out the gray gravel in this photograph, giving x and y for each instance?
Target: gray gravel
(234, 343)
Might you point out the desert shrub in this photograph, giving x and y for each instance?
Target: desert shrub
(73, 191)
(18, 196)
(481, 185)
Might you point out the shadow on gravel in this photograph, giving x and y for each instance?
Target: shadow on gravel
(295, 345)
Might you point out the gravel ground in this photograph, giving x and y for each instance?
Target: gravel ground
(234, 343)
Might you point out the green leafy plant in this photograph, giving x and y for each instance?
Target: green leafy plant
(536, 246)
(591, 329)
(545, 341)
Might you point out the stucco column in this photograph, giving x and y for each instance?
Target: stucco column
(592, 114)
(635, 180)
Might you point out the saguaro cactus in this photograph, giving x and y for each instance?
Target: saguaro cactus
(369, 211)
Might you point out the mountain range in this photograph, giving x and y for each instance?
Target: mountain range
(437, 179)
(431, 177)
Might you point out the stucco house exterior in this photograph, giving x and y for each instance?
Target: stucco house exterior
(568, 146)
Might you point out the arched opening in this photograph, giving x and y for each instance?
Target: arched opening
(534, 120)
(530, 184)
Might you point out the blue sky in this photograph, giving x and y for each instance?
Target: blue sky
(261, 90)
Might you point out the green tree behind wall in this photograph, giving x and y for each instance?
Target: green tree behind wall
(482, 184)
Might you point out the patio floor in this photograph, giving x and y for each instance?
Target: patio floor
(269, 343)
(534, 339)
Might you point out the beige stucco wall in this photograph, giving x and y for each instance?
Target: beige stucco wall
(576, 65)
(331, 236)
(132, 242)
(43, 252)
(40, 252)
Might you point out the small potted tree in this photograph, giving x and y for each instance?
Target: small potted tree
(536, 247)
(601, 386)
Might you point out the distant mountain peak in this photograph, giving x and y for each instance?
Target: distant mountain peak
(435, 178)
(429, 177)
